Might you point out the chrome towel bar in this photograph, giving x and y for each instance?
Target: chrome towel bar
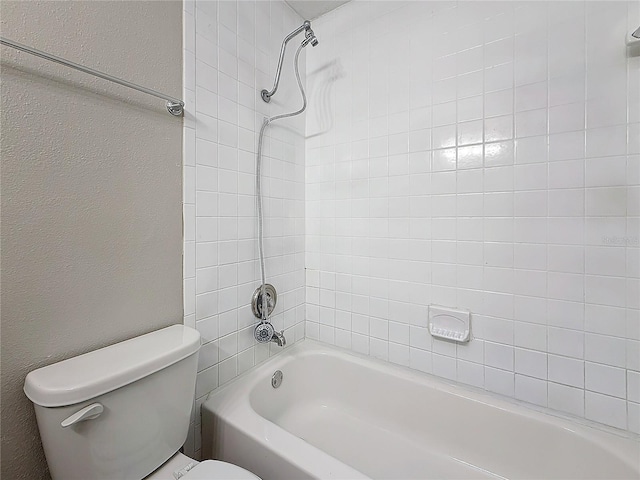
(174, 106)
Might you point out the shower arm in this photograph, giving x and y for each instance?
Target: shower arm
(266, 95)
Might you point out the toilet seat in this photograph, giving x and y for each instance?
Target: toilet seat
(216, 470)
(205, 470)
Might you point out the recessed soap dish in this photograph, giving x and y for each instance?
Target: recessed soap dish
(449, 324)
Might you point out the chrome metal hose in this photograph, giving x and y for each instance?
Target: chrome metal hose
(267, 121)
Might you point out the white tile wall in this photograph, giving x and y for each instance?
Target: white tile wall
(481, 155)
(230, 53)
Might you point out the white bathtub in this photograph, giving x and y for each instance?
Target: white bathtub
(339, 415)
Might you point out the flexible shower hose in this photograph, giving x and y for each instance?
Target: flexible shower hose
(267, 121)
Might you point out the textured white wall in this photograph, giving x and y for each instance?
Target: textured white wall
(481, 155)
(231, 53)
(91, 185)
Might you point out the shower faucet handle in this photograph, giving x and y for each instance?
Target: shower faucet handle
(256, 301)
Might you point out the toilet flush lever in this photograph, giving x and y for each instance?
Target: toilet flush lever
(87, 413)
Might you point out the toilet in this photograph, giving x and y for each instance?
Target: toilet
(123, 411)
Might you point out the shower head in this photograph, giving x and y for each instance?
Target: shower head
(310, 37)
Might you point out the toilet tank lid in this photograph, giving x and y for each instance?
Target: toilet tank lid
(101, 371)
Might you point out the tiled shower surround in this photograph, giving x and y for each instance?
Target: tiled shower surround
(230, 53)
(479, 155)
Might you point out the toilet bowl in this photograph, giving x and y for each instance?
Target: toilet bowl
(124, 411)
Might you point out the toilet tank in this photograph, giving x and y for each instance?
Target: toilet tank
(140, 392)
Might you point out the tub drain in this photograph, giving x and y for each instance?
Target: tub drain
(276, 379)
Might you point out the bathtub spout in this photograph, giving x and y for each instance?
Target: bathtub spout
(278, 337)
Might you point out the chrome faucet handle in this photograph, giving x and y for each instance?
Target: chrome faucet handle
(264, 332)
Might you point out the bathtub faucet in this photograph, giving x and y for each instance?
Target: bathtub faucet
(278, 337)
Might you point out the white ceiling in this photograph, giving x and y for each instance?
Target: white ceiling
(310, 9)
